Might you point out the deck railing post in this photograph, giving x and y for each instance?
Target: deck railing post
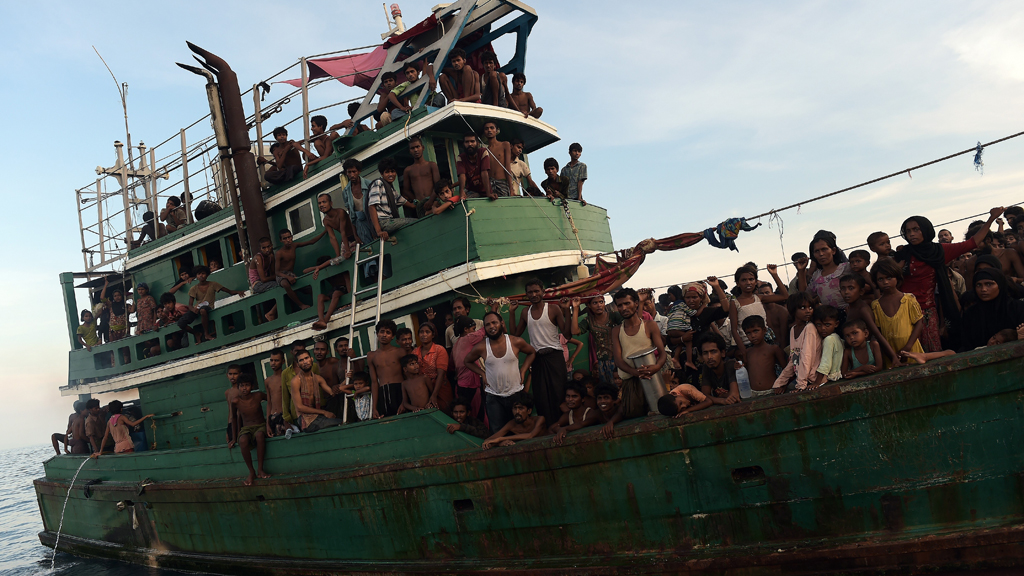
(99, 215)
(124, 195)
(259, 130)
(154, 205)
(184, 171)
(305, 103)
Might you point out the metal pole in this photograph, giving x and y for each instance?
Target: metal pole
(155, 200)
(81, 229)
(184, 170)
(229, 175)
(259, 128)
(124, 193)
(305, 103)
(99, 211)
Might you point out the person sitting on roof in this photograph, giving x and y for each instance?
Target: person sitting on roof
(522, 101)
(173, 214)
(460, 83)
(287, 162)
(474, 170)
(200, 302)
(404, 104)
(384, 105)
(382, 197)
(322, 141)
(353, 108)
(494, 83)
(147, 230)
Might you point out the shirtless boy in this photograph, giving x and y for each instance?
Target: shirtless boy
(523, 425)
(250, 426)
(493, 83)
(607, 402)
(418, 180)
(579, 415)
(777, 316)
(415, 393)
(286, 263)
(275, 424)
(287, 162)
(522, 101)
(681, 400)
(385, 372)
(446, 199)
(229, 395)
(460, 83)
(501, 160)
(761, 357)
(79, 444)
(322, 141)
(336, 222)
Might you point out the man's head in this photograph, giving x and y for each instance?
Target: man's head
(388, 80)
(575, 151)
(404, 338)
(388, 169)
(490, 130)
(534, 290)
(461, 306)
(522, 406)
(754, 327)
(320, 351)
(517, 147)
(353, 107)
(416, 147)
(281, 134)
(574, 394)
(712, 350)
(276, 359)
(411, 72)
(245, 383)
(494, 327)
(551, 167)
(324, 203)
(352, 168)
(470, 142)
(297, 346)
(341, 347)
(233, 371)
(174, 202)
(286, 237)
(945, 236)
(626, 302)
(460, 411)
(304, 361)
(386, 331)
(606, 395)
(410, 365)
(765, 289)
(490, 61)
(93, 406)
(79, 406)
(518, 81)
(318, 124)
(457, 57)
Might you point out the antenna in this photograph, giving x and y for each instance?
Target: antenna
(122, 91)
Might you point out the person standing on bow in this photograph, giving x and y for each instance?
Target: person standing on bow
(544, 323)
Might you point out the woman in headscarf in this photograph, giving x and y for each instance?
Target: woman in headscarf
(692, 319)
(924, 273)
(118, 322)
(832, 265)
(995, 310)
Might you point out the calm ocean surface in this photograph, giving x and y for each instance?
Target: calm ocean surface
(22, 554)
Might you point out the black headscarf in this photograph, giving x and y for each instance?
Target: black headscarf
(117, 308)
(931, 253)
(984, 319)
(839, 257)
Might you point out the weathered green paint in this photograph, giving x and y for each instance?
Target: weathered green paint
(921, 462)
(67, 292)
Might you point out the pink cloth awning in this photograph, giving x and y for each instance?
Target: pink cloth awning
(351, 69)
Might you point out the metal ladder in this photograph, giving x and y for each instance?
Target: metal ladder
(356, 291)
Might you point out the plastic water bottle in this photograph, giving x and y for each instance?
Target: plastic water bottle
(743, 380)
(288, 432)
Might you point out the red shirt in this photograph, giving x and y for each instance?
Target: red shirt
(473, 167)
(921, 280)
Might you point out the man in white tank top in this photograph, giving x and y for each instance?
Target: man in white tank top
(502, 375)
(544, 323)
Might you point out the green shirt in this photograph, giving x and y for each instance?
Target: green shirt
(88, 333)
(398, 90)
(287, 408)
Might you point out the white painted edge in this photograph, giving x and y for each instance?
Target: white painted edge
(458, 277)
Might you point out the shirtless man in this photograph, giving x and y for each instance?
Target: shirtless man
(286, 263)
(385, 372)
(250, 426)
(322, 141)
(229, 395)
(522, 101)
(287, 162)
(328, 365)
(501, 161)
(57, 437)
(415, 393)
(460, 83)
(275, 424)
(523, 425)
(418, 180)
(305, 390)
(336, 222)
(263, 268)
(79, 444)
(493, 83)
(579, 415)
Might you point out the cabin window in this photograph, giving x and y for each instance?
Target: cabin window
(234, 322)
(301, 219)
(212, 253)
(443, 159)
(185, 263)
(234, 251)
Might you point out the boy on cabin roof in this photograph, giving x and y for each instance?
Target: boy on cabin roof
(250, 426)
(287, 161)
(200, 302)
(493, 83)
(576, 172)
(404, 104)
(173, 214)
(384, 106)
(459, 82)
(418, 180)
(474, 169)
(322, 141)
(353, 108)
(384, 202)
(522, 101)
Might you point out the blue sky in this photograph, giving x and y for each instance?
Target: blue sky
(688, 113)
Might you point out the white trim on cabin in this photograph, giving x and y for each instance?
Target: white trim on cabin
(417, 127)
(458, 277)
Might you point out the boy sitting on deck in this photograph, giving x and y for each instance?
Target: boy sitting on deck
(522, 101)
(579, 414)
(607, 397)
(200, 302)
(464, 422)
(554, 186)
(523, 426)
(446, 200)
(718, 380)
(250, 426)
(359, 387)
(287, 162)
(761, 358)
(415, 393)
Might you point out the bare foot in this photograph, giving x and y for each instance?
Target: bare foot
(319, 325)
(250, 479)
(209, 337)
(262, 474)
(303, 306)
(915, 356)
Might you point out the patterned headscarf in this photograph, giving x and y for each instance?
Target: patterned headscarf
(700, 290)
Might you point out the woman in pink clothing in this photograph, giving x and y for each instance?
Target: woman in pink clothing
(832, 265)
(119, 428)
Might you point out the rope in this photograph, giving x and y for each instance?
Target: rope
(973, 149)
(60, 527)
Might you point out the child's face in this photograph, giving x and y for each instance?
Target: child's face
(388, 84)
(681, 404)
(995, 340)
(233, 376)
(755, 334)
(282, 138)
(446, 194)
(590, 389)
(518, 84)
(858, 264)
(202, 277)
(605, 403)
(412, 368)
(86, 317)
(389, 176)
(711, 354)
(266, 248)
(855, 337)
(360, 385)
(881, 246)
(245, 388)
(517, 149)
(825, 327)
(577, 376)
(551, 171)
(169, 307)
(183, 276)
(573, 399)
(850, 291)
(459, 413)
(575, 154)
(747, 283)
(316, 129)
(886, 283)
(490, 130)
(276, 362)
(804, 312)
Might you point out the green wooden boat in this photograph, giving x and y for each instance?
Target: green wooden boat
(912, 470)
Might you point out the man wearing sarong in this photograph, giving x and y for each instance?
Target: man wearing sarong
(544, 323)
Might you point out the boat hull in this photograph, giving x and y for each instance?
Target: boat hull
(914, 469)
